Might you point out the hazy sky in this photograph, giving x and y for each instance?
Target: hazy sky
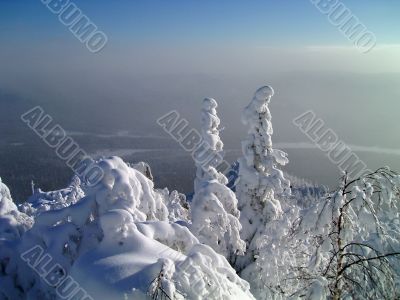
(165, 55)
(191, 36)
(258, 23)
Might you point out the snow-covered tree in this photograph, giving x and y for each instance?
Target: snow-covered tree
(177, 205)
(354, 236)
(13, 225)
(215, 217)
(209, 155)
(260, 180)
(343, 246)
(277, 256)
(281, 253)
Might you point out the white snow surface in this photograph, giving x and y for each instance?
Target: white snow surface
(116, 239)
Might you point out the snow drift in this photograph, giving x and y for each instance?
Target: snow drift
(114, 240)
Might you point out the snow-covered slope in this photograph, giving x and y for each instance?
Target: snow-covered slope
(115, 240)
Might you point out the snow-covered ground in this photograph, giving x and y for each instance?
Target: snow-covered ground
(114, 240)
(254, 233)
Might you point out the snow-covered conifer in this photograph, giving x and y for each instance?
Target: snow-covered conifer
(260, 180)
(210, 153)
(214, 206)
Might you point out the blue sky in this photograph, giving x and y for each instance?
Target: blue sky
(169, 54)
(196, 36)
(258, 22)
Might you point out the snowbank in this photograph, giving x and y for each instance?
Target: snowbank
(114, 240)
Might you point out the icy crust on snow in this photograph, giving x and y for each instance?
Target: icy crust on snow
(115, 240)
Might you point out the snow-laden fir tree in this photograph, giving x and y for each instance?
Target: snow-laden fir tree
(215, 216)
(260, 180)
(209, 154)
(282, 256)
